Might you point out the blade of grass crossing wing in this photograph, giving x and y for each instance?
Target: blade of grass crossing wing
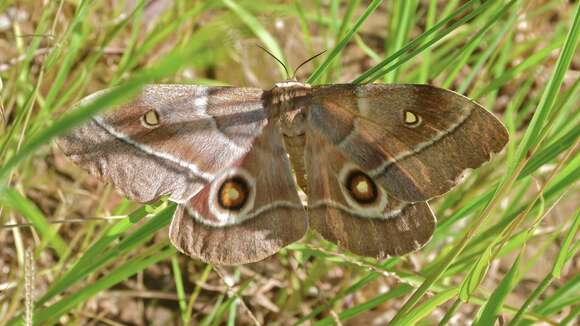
(542, 157)
(516, 166)
(71, 119)
(170, 64)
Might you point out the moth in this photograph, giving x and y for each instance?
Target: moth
(369, 157)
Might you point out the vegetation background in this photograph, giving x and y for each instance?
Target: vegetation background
(505, 250)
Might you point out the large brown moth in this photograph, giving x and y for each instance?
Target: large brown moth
(369, 158)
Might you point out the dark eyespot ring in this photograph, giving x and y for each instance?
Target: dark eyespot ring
(233, 193)
(150, 119)
(361, 187)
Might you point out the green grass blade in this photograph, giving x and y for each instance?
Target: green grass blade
(132, 267)
(542, 112)
(401, 28)
(425, 65)
(97, 256)
(426, 309)
(396, 292)
(340, 46)
(411, 48)
(32, 213)
(564, 296)
(497, 298)
(180, 288)
(169, 65)
(534, 132)
(259, 30)
(566, 251)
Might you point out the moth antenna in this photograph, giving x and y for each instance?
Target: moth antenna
(279, 61)
(307, 61)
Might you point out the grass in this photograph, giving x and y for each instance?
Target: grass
(507, 238)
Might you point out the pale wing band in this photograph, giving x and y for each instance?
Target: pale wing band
(237, 219)
(162, 155)
(364, 214)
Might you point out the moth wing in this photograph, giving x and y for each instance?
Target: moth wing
(247, 213)
(415, 140)
(349, 208)
(170, 139)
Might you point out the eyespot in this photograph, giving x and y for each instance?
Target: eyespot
(361, 187)
(233, 193)
(361, 192)
(411, 119)
(150, 119)
(232, 196)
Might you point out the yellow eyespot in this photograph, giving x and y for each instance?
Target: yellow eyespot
(151, 118)
(411, 118)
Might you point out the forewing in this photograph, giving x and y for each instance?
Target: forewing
(248, 213)
(415, 140)
(170, 139)
(370, 223)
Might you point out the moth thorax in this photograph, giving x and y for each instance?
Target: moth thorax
(282, 96)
